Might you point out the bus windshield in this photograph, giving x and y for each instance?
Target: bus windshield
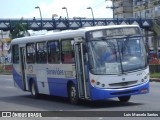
(116, 55)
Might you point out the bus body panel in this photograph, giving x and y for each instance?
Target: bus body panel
(57, 88)
(51, 79)
(17, 77)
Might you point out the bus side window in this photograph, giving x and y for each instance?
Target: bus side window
(68, 57)
(15, 54)
(53, 52)
(67, 51)
(41, 56)
(30, 49)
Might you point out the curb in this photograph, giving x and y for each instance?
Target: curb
(155, 80)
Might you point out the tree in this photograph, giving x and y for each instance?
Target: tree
(19, 30)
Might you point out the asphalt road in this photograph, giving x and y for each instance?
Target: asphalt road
(13, 99)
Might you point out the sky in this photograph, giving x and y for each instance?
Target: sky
(76, 8)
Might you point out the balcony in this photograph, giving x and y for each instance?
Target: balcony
(153, 3)
(124, 9)
(119, 10)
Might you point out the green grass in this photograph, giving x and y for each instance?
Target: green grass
(155, 75)
(1, 69)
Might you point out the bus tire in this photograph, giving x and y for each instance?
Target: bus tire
(34, 90)
(73, 94)
(124, 98)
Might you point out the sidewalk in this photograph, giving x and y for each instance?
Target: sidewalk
(154, 79)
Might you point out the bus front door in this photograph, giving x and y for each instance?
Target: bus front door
(23, 67)
(81, 72)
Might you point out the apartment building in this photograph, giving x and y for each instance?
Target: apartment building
(142, 9)
(123, 8)
(150, 9)
(136, 8)
(146, 8)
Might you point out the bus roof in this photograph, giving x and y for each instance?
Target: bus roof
(64, 34)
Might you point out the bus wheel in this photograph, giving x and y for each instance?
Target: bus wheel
(34, 91)
(73, 95)
(124, 98)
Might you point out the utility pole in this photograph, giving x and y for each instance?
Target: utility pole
(113, 7)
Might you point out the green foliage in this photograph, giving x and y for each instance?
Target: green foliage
(19, 29)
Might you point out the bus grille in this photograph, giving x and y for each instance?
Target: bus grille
(120, 84)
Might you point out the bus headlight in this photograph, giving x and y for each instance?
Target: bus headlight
(146, 76)
(98, 83)
(103, 85)
(142, 80)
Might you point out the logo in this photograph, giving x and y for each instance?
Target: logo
(30, 69)
(6, 114)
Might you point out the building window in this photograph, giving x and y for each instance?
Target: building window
(147, 14)
(15, 54)
(30, 53)
(136, 15)
(151, 42)
(53, 52)
(67, 51)
(41, 54)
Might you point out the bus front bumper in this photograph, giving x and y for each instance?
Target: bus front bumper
(101, 94)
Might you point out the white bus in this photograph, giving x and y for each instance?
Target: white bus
(93, 63)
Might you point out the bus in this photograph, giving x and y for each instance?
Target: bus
(73, 63)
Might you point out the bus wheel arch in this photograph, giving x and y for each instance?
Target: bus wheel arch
(33, 88)
(72, 93)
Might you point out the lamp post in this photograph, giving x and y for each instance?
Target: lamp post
(66, 12)
(40, 14)
(92, 14)
(91, 11)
